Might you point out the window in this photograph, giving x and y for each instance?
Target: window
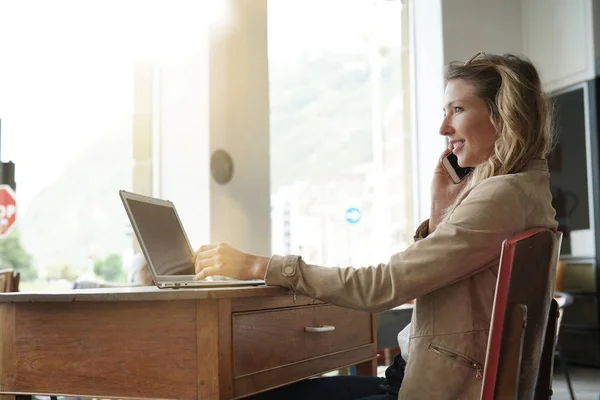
(67, 105)
(341, 144)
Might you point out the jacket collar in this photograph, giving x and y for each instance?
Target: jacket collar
(539, 164)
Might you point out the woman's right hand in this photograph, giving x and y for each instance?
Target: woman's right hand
(224, 260)
(443, 192)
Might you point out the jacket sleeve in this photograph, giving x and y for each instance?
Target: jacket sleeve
(422, 231)
(469, 239)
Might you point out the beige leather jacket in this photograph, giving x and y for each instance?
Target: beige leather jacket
(452, 274)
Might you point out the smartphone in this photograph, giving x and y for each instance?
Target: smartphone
(456, 172)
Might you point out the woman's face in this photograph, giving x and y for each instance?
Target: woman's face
(467, 124)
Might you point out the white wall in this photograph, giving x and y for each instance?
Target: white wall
(470, 26)
(557, 35)
(596, 27)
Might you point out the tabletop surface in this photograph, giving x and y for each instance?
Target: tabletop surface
(142, 293)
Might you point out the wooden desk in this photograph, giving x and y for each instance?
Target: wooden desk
(186, 344)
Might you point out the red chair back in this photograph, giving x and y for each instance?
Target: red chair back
(519, 323)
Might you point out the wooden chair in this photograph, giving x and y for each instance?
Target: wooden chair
(563, 300)
(16, 278)
(520, 350)
(6, 280)
(9, 281)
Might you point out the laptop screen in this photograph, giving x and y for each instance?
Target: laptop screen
(163, 238)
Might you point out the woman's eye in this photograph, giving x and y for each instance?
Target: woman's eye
(457, 109)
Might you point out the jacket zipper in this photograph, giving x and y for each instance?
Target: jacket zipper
(469, 362)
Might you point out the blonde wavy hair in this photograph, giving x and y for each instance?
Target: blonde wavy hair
(519, 111)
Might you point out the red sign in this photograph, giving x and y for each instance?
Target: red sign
(8, 210)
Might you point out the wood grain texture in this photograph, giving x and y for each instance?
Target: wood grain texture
(143, 293)
(8, 359)
(16, 279)
(207, 332)
(105, 344)
(215, 359)
(7, 280)
(265, 303)
(367, 368)
(270, 379)
(225, 350)
(111, 349)
(543, 390)
(3, 283)
(507, 383)
(525, 277)
(269, 339)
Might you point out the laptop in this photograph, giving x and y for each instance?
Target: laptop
(166, 246)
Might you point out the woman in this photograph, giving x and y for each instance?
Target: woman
(497, 120)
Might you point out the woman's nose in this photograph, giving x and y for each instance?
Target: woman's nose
(446, 128)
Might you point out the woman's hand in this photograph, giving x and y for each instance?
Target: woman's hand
(443, 192)
(222, 259)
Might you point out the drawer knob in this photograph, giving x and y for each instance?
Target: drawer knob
(319, 329)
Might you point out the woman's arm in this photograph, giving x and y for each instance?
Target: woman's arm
(469, 240)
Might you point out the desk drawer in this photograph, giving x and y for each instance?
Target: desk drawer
(272, 339)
